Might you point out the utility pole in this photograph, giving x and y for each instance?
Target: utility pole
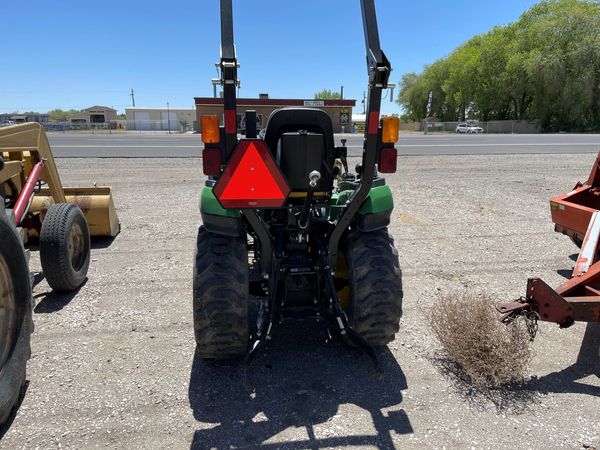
(132, 97)
(364, 100)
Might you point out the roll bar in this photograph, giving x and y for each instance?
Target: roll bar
(228, 66)
(379, 70)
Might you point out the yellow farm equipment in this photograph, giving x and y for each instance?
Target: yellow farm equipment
(28, 166)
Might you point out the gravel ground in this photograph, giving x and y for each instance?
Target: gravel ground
(114, 366)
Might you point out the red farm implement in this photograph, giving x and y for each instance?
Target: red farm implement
(577, 215)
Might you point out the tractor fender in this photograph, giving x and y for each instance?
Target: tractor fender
(379, 200)
(217, 219)
(376, 211)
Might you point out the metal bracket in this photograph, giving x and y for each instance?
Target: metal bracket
(338, 317)
(509, 311)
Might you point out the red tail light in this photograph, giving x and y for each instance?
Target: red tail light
(251, 179)
(388, 158)
(211, 161)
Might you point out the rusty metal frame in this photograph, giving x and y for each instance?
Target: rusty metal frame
(570, 213)
(577, 299)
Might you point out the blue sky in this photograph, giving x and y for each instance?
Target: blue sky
(74, 54)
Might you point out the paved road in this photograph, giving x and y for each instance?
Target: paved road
(182, 146)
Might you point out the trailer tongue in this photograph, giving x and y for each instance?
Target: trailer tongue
(577, 215)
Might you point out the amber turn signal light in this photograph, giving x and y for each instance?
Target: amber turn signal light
(389, 131)
(210, 129)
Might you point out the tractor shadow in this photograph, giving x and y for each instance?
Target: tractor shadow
(52, 301)
(587, 364)
(298, 381)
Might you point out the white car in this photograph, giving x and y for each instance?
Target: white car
(469, 128)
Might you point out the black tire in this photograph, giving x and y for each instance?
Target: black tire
(375, 282)
(16, 325)
(65, 247)
(220, 297)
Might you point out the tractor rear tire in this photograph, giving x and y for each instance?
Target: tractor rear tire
(15, 321)
(221, 296)
(65, 247)
(375, 283)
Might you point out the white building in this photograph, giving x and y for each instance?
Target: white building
(161, 119)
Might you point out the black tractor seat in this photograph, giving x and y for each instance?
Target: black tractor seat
(301, 141)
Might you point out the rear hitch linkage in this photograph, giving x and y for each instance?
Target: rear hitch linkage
(264, 327)
(332, 311)
(338, 317)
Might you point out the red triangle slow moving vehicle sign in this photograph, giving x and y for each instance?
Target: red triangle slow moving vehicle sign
(251, 179)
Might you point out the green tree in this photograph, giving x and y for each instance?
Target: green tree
(326, 94)
(413, 96)
(59, 115)
(545, 66)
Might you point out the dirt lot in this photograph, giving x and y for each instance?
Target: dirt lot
(114, 365)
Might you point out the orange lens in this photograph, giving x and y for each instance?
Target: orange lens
(389, 132)
(210, 129)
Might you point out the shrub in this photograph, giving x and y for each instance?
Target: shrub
(488, 352)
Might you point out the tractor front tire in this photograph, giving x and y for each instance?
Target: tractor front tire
(15, 317)
(375, 283)
(65, 247)
(221, 295)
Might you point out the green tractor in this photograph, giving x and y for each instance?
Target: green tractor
(288, 232)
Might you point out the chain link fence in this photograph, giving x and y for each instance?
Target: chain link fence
(158, 126)
(173, 126)
(492, 127)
